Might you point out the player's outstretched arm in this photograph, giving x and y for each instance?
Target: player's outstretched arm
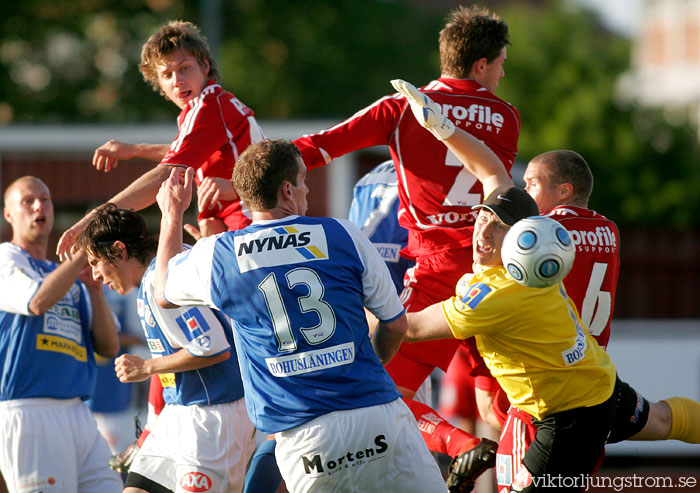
(139, 195)
(476, 156)
(428, 324)
(173, 198)
(108, 155)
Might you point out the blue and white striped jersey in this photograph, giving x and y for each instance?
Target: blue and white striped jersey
(201, 331)
(295, 289)
(49, 355)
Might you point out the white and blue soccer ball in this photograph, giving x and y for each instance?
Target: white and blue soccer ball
(538, 252)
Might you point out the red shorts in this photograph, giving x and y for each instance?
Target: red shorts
(516, 436)
(432, 280)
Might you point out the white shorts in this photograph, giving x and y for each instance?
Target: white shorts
(52, 445)
(192, 447)
(376, 448)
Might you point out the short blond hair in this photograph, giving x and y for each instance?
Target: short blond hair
(174, 36)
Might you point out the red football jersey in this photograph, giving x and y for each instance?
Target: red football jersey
(213, 130)
(592, 282)
(435, 190)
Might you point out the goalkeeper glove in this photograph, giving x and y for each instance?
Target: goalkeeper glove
(426, 111)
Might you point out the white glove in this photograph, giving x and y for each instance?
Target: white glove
(426, 111)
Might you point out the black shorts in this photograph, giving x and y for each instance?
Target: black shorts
(135, 480)
(631, 413)
(568, 444)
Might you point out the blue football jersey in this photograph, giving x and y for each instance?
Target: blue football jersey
(375, 210)
(49, 355)
(295, 289)
(201, 331)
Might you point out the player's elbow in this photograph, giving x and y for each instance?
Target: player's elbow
(163, 303)
(223, 356)
(37, 307)
(397, 328)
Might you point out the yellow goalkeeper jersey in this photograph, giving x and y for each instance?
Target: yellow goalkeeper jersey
(532, 340)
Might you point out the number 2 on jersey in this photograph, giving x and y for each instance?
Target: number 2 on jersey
(312, 302)
(459, 192)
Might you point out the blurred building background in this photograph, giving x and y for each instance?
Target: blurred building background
(665, 62)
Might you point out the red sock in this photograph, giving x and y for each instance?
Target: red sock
(439, 435)
(142, 437)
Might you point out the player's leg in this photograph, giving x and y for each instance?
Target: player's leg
(684, 419)
(92, 455)
(437, 432)
(211, 446)
(263, 473)
(240, 444)
(155, 461)
(135, 481)
(516, 435)
(676, 418)
(457, 400)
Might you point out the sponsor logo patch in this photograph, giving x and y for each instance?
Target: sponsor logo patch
(32, 485)
(167, 380)
(57, 344)
(576, 352)
(318, 465)
(388, 251)
(192, 323)
(472, 297)
(321, 359)
(601, 238)
(195, 482)
(155, 346)
(280, 246)
(504, 469)
(480, 116)
(63, 319)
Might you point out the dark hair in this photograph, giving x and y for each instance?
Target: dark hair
(569, 167)
(470, 34)
(111, 224)
(262, 168)
(175, 35)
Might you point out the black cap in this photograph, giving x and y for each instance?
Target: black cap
(510, 204)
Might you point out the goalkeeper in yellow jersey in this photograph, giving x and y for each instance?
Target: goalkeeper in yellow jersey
(549, 366)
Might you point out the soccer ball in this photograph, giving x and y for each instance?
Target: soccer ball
(538, 252)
